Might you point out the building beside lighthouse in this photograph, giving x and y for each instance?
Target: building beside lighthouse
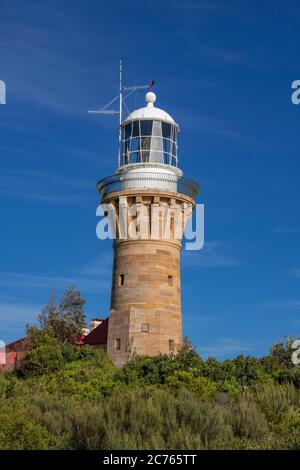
(150, 198)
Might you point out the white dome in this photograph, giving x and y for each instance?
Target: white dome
(150, 112)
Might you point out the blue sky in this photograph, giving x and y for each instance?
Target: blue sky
(224, 71)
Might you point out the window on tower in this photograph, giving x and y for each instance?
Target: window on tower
(171, 345)
(121, 279)
(118, 344)
(145, 327)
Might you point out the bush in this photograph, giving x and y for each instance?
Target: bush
(55, 416)
(149, 419)
(149, 370)
(202, 387)
(277, 400)
(44, 354)
(18, 431)
(75, 398)
(246, 420)
(92, 378)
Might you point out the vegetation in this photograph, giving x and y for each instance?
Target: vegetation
(65, 319)
(69, 397)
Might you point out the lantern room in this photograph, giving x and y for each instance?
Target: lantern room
(149, 135)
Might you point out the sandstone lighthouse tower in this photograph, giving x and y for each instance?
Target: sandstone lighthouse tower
(145, 312)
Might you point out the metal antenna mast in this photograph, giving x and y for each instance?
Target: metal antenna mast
(120, 96)
(120, 114)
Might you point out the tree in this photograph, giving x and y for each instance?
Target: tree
(282, 352)
(49, 317)
(67, 319)
(72, 314)
(44, 354)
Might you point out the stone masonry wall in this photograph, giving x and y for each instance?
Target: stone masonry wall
(145, 314)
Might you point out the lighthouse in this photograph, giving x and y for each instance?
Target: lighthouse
(152, 201)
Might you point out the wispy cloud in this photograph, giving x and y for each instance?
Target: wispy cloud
(199, 6)
(295, 273)
(30, 281)
(92, 278)
(59, 83)
(216, 55)
(99, 266)
(286, 230)
(224, 347)
(226, 56)
(18, 311)
(209, 125)
(44, 187)
(14, 316)
(202, 318)
(213, 255)
(61, 199)
(290, 304)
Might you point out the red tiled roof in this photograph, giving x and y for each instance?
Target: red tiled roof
(18, 345)
(98, 335)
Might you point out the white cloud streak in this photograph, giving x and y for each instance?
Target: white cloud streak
(226, 346)
(290, 304)
(30, 281)
(211, 256)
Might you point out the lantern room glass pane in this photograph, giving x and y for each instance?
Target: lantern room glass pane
(127, 131)
(126, 151)
(135, 144)
(135, 129)
(135, 157)
(149, 141)
(156, 128)
(146, 127)
(166, 130)
(174, 149)
(156, 150)
(167, 145)
(145, 148)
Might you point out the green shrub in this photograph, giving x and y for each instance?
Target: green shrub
(55, 416)
(5, 384)
(44, 354)
(276, 400)
(18, 431)
(75, 398)
(246, 420)
(187, 357)
(92, 378)
(148, 419)
(73, 353)
(201, 386)
(150, 370)
(230, 387)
